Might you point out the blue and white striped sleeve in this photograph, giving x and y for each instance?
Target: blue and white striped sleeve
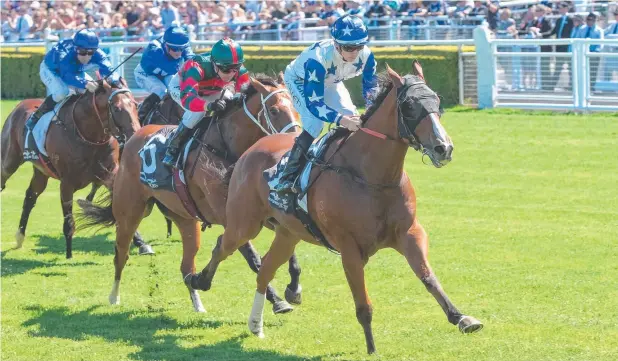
(370, 80)
(313, 87)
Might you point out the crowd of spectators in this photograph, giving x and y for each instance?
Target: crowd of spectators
(142, 20)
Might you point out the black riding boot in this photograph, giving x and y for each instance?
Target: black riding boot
(174, 143)
(147, 106)
(47, 106)
(295, 162)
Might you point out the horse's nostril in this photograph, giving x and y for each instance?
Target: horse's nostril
(439, 149)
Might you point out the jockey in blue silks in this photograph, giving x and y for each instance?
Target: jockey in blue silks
(64, 69)
(315, 80)
(160, 61)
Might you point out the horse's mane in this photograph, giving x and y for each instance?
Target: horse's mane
(250, 91)
(262, 78)
(385, 85)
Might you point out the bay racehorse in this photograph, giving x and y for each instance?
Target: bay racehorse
(268, 109)
(83, 147)
(361, 199)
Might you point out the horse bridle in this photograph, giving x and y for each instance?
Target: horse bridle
(120, 137)
(405, 134)
(266, 114)
(111, 121)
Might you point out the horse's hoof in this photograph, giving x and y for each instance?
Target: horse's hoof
(292, 297)
(469, 324)
(282, 307)
(114, 300)
(19, 238)
(145, 249)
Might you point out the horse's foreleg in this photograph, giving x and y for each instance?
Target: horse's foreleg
(38, 183)
(68, 228)
(280, 251)
(414, 247)
(354, 268)
(227, 243)
(293, 290)
(254, 261)
(93, 192)
(190, 234)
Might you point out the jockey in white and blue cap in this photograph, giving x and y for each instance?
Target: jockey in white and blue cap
(315, 80)
(160, 61)
(64, 68)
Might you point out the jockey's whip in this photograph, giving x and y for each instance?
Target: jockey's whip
(124, 61)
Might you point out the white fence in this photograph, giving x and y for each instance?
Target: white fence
(555, 74)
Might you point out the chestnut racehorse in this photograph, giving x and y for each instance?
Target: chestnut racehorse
(268, 109)
(83, 148)
(362, 199)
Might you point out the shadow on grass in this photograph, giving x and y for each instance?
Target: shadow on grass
(144, 331)
(99, 244)
(15, 266)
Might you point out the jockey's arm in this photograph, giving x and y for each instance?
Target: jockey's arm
(101, 60)
(313, 87)
(190, 76)
(71, 75)
(370, 80)
(149, 59)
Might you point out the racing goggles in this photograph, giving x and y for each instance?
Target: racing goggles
(86, 52)
(351, 48)
(175, 49)
(229, 68)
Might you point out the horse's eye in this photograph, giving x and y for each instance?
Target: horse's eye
(274, 110)
(117, 109)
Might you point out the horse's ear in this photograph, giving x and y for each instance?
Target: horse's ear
(417, 69)
(259, 86)
(280, 78)
(397, 81)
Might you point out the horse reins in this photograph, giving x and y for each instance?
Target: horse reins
(264, 110)
(344, 170)
(266, 113)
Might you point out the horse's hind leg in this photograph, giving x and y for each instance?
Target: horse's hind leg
(93, 192)
(280, 251)
(190, 233)
(128, 210)
(414, 247)
(293, 290)
(9, 166)
(166, 214)
(38, 183)
(68, 228)
(255, 262)
(12, 156)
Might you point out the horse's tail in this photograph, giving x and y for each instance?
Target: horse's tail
(95, 215)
